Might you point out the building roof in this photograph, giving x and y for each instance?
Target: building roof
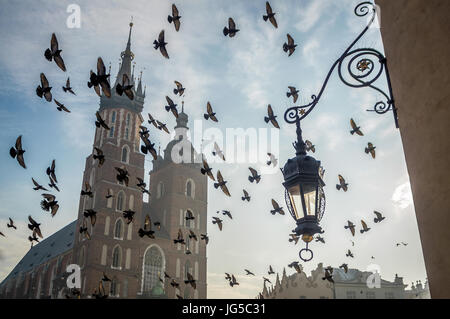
(51, 247)
(355, 276)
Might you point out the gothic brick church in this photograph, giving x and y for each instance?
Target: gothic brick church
(135, 265)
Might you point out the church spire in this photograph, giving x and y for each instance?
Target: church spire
(127, 57)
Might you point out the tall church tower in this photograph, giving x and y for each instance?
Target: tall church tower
(111, 248)
(178, 187)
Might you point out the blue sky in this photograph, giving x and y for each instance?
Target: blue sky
(239, 76)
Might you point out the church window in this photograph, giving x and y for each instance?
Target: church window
(111, 132)
(153, 267)
(118, 229)
(109, 201)
(190, 188)
(82, 257)
(107, 222)
(125, 154)
(120, 201)
(114, 289)
(103, 257)
(187, 269)
(117, 257)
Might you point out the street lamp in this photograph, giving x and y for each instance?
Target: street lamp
(356, 68)
(304, 193)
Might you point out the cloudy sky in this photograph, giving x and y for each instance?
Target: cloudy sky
(239, 76)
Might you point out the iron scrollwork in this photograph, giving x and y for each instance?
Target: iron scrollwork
(363, 68)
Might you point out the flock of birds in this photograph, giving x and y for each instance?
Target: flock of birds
(99, 81)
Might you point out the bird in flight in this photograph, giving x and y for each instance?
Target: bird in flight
(248, 272)
(190, 280)
(207, 170)
(100, 122)
(99, 156)
(246, 197)
(217, 151)
(179, 89)
(370, 149)
(126, 87)
(355, 128)
(87, 190)
(44, 89)
(34, 227)
(364, 226)
(292, 92)
(294, 238)
(171, 107)
(151, 121)
(270, 15)
(100, 79)
(122, 175)
(227, 213)
(270, 272)
(210, 113)
(50, 204)
(255, 176)
(296, 266)
(222, 184)
(11, 224)
(17, 152)
(61, 107)
(310, 146)
(350, 226)
(38, 186)
(379, 217)
(342, 184)
(91, 214)
(205, 238)
(162, 126)
(147, 230)
(161, 45)
(68, 88)
(231, 30)
(233, 281)
(175, 18)
(272, 160)
(148, 147)
(276, 208)
(180, 238)
(345, 267)
(289, 46)
(218, 221)
(54, 53)
(128, 215)
(320, 239)
(328, 274)
(271, 117)
(349, 254)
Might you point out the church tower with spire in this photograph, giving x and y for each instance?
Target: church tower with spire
(135, 266)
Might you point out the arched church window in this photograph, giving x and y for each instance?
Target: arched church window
(113, 121)
(111, 132)
(153, 267)
(117, 257)
(187, 269)
(125, 154)
(82, 257)
(114, 289)
(120, 201)
(189, 189)
(160, 190)
(118, 229)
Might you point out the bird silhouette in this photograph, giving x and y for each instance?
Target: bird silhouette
(379, 217)
(370, 149)
(289, 46)
(87, 190)
(100, 79)
(350, 226)
(222, 184)
(310, 146)
(217, 151)
(328, 274)
(172, 107)
(175, 18)
(248, 272)
(355, 128)
(272, 160)
(270, 272)
(294, 238)
(122, 175)
(210, 113)
(365, 228)
(271, 117)
(17, 152)
(68, 88)
(44, 89)
(227, 213)
(100, 122)
(128, 215)
(180, 238)
(91, 214)
(233, 281)
(218, 221)
(349, 254)
(161, 45)
(207, 170)
(126, 87)
(292, 92)
(50, 204)
(61, 107)
(270, 15)
(231, 30)
(344, 267)
(147, 229)
(54, 53)
(205, 238)
(342, 184)
(190, 280)
(246, 197)
(11, 224)
(179, 89)
(99, 156)
(37, 186)
(255, 176)
(276, 208)
(320, 239)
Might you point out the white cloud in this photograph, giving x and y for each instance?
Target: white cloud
(402, 196)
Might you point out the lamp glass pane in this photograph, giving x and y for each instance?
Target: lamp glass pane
(296, 201)
(309, 193)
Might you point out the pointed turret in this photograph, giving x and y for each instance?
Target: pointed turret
(127, 57)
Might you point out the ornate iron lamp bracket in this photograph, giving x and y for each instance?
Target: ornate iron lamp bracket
(364, 66)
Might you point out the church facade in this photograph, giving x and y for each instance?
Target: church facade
(135, 265)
